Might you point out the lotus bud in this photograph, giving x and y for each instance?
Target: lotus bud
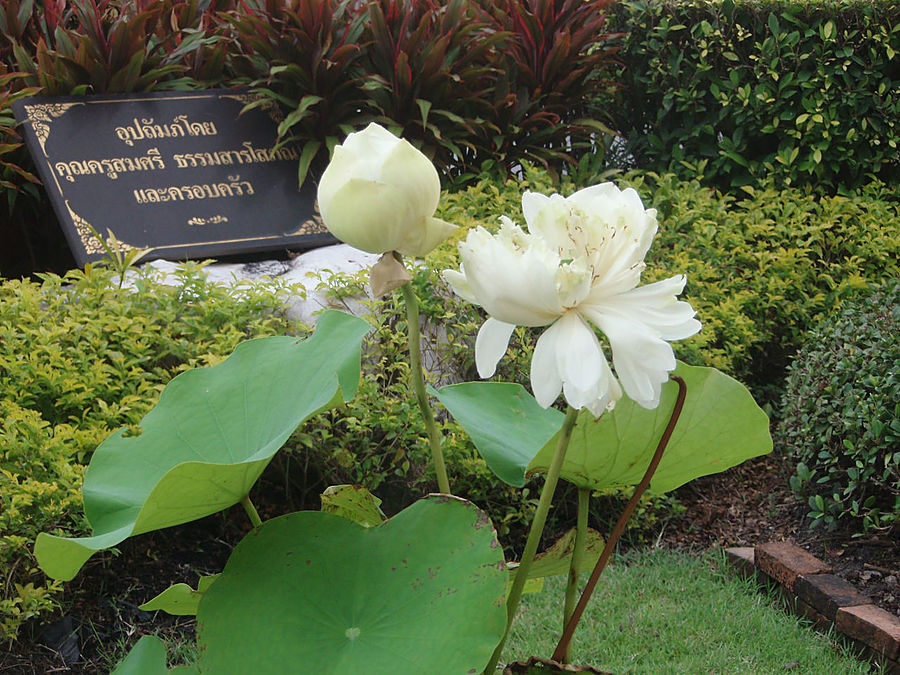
(379, 194)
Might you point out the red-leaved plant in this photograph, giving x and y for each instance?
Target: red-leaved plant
(304, 54)
(101, 46)
(551, 78)
(431, 67)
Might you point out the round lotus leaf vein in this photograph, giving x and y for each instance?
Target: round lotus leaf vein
(352, 633)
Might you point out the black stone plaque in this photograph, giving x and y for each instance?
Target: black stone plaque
(182, 173)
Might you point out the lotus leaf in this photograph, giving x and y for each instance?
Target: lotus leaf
(421, 593)
(209, 437)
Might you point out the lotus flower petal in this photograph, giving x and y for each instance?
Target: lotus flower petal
(579, 263)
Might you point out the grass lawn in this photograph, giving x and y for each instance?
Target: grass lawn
(665, 612)
(661, 612)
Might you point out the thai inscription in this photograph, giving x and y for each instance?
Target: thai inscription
(146, 166)
(110, 167)
(234, 188)
(178, 127)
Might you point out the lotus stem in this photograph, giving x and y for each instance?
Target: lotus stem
(581, 531)
(417, 372)
(252, 513)
(534, 534)
(562, 648)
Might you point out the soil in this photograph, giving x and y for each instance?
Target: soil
(753, 504)
(747, 505)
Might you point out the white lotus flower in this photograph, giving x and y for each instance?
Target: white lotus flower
(578, 266)
(379, 194)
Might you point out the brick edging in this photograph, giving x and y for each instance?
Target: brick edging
(811, 591)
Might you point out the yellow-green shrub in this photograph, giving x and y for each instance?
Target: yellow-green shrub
(763, 266)
(79, 358)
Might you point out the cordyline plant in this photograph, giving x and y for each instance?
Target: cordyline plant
(100, 46)
(431, 66)
(11, 174)
(344, 590)
(16, 179)
(304, 54)
(550, 81)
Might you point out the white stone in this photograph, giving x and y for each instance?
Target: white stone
(308, 270)
(310, 273)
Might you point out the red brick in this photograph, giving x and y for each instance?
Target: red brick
(741, 559)
(872, 625)
(819, 621)
(826, 593)
(784, 562)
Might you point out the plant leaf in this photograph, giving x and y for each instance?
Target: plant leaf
(720, 426)
(555, 560)
(209, 437)
(421, 593)
(180, 599)
(354, 503)
(148, 657)
(504, 421)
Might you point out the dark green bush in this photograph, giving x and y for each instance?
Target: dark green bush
(805, 93)
(841, 415)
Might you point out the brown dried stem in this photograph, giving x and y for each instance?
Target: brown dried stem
(563, 646)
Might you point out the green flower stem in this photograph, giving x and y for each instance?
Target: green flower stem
(534, 534)
(252, 513)
(584, 501)
(418, 377)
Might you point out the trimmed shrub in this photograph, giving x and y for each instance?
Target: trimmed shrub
(841, 415)
(805, 93)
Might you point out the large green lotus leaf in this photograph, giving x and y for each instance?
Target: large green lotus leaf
(148, 657)
(313, 592)
(504, 421)
(719, 427)
(209, 437)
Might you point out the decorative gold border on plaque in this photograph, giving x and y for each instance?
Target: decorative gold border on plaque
(268, 105)
(312, 226)
(88, 240)
(41, 116)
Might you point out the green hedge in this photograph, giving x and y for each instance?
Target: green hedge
(841, 415)
(741, 92)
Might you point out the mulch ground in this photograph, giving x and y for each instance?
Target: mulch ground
(752, 504)
(745, 506)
